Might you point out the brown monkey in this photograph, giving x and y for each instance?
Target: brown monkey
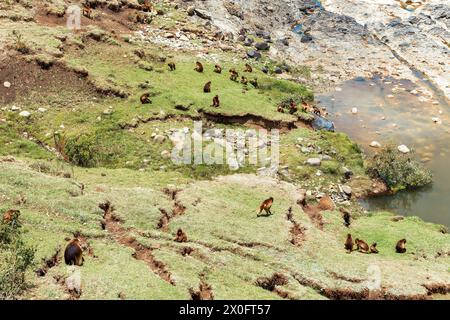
(280, 109)
(181, 236)
(266, 205)
(147, 6)
(218, 69)
(293, 108)
(373, 248)
(362, 246)
(10, 216)
(73, 255)
(400, 247)
(234, 75)
(317, 111)
(172, 66)
(248, 68)
(198, 67)
(87, 11)
(346, 215)
(254, 82)
(145, 98)
(244, 80)
(216, 102)
(349, 243)
(207, 87)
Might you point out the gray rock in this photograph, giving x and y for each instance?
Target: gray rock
(314, 162)
(263, 46)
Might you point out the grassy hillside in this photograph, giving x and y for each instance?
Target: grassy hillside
(83, 88)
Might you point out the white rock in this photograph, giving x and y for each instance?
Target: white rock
(7, 84)
(15, 108)
(25, 114)
(347, 190)
(42, 110)
(403, 149)
(355, 110)
(159, 138)
(375, 144)
(166, 154)
(314, 162)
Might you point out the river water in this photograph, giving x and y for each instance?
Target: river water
(398, 111)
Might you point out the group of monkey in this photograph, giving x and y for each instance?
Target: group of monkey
(73, 254)
(361, 245)
(234, 75)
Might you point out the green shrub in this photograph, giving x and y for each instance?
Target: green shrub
(399, 171)
(16, 258)
(82, 150)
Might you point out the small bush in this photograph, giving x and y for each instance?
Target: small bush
(82, 150)
(399, 171)
(17, 259)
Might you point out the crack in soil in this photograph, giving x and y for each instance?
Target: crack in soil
(49, 263)
(271, 284)
(297, 231)
(352, 294)
(120, 234)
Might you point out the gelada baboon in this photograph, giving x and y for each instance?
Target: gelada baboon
(234, 75)
(10, 215)
(373, 248)
(254, 83)
(400, 247)
(181, 236)
(244, 80)
(145, 98)
(346, 215)
(266, 206)
(172, 66)
(207, 87)
(198, 67)
(218, 69)
(73, 255)
(147, 6)
(293, 108)
(216, 102)
(248, 68)
(362, 246)
(87, 11)
(349, 243)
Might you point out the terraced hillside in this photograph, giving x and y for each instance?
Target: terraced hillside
(82, 157)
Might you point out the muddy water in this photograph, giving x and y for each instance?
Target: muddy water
(398, 111)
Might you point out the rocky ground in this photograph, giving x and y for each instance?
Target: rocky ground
(389, 37)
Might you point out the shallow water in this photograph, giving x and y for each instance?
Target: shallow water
(389, 112)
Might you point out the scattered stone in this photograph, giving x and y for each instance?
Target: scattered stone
(347, 190)
(354, 110)
(25, 114)
(254, 54)
(263, 46)
(404, 149)
(314, 162)
(375, 144)
(159, 138)
(7, 84)
(42, 110)
(165, 154)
